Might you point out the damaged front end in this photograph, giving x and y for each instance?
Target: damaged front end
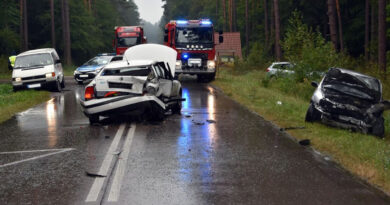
(349, 100)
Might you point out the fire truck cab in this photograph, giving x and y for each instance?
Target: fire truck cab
(127, 36)
(195, 45)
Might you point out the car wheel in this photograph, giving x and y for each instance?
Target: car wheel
(378, 128)
(63, 82)
(176, 109)
(57, 86)
(200, 77)
(312, 114)
(93, 119)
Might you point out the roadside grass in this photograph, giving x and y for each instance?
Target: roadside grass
(11, 102)
(364, 155)
(69, 69)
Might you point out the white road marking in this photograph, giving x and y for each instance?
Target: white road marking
(98, 183)
(58, 151)
(30, 151)
(121, 168)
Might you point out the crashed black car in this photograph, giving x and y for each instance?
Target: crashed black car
(349, 100)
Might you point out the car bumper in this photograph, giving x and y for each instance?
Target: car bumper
(120, 105)
(84, 76)
(36, 83)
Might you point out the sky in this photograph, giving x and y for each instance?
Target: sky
(150, 10)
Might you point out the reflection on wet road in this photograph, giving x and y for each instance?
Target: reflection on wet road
(216, 152)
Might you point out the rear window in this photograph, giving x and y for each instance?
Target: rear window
(33, 60)
(129, 71)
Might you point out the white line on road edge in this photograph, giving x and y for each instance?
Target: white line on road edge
(98, 183)
(121, 168)
(37, 157)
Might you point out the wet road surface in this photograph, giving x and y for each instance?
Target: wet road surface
(216, 152)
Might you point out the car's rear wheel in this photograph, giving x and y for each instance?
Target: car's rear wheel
(63, 82)
(93, 119)
(378, 128)
(312, 114)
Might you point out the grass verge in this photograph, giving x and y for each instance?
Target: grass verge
(11, 102)
(69, 69)
(365, 156)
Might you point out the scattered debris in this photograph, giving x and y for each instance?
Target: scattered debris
(93, 174)
(305, 142)
(188, 116)
(198, 123)
(279, 103)
(292, 128)
(211, 121)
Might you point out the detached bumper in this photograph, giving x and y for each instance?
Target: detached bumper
(122, 105)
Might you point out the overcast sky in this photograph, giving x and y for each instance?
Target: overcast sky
(150, 10)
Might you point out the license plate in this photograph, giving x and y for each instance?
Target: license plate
(34, 86)
(83, 76)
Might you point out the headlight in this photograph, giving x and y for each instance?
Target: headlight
(76, 72)
(151, 90)
(178, 64)
(210, 64)
(18, 79)
(49, 75)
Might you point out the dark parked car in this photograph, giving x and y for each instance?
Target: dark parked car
(350, 100)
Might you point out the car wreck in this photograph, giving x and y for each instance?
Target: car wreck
(143, 82)
(349, 100)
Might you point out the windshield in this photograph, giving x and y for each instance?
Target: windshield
(194, 35)
(100, 60)
(33, 60)
(129, 71)
(127, 42)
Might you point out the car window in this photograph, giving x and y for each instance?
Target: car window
(158, 71)
(282, 66)
(33, 60)
(127, 71)
(99, 60)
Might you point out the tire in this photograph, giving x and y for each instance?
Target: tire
(312, 114)
(63, 82)
(93, 119)
(156, 114)
(57, 86)
(200, 78)
(378, 128)
(176, 109)
(211, 77)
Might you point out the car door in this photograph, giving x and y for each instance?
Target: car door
(165, 84)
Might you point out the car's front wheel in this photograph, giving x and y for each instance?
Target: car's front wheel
(93, 119)
(378, 128)
(312, 114)
(57, 86)
(176, 109)
(63, 82)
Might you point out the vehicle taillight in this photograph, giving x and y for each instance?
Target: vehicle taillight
(111, 94)
(89, 93)
(268, 70)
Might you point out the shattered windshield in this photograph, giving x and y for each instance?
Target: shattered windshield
(33, 60)
(128, 71)
(194, 35)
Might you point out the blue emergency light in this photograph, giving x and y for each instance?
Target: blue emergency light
(185, 56)
(181, 22)
(206, 22)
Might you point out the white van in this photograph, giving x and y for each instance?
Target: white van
(40, 68)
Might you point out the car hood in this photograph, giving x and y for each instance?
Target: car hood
(88, 67)
(153, 52)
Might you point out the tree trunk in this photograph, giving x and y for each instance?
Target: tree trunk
(23, 25)
(266, 23)
(53, 36)
(373, 35)
(246, 28)
(332, 23)
(340, 26)
(278, 51)
(230, 16)
(367, 30)
(224, 15)
(382, 34)
(66, 32)
(234, 15)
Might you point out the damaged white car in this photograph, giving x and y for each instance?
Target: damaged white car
(349, 100)
(142, 83)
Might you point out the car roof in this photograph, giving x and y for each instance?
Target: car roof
(124, 63)
(275, 63)
(37, 51)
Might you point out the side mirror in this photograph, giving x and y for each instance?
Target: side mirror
(58, 61)
(165, 38)
(220, 39)
(165, 31)
(314, 84)
(220, 32)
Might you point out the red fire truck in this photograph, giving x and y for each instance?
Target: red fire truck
(127, 36)
(195, 44)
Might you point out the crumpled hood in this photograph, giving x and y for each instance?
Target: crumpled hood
(84, 68)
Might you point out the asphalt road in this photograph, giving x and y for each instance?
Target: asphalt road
(216, 152)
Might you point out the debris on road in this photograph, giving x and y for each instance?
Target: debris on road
(211, 121)
(89, 174)
(305, 142)
(197, 122)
